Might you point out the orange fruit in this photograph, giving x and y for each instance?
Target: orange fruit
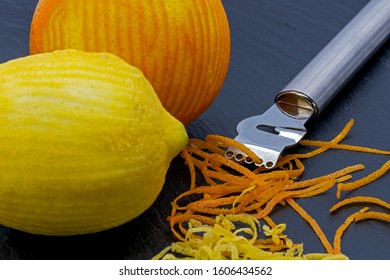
(181, 46)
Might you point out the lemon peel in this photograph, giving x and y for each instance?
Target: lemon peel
(226, 241)
(85, 143)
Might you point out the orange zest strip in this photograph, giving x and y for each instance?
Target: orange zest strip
(340, 231)
(271, 204)
(360, 199)
(205, 205)
(335, 175)
(180, 219)
(187, 157)
(294, 172)
(205, 146)
(261, 195)
(197, 151)
(343, 147)
(228, 142)
(225, 177)
(337, 139)
(315, 190)
(344, 178)
(312, 222)
(373, 215)
(269, 221)
(364, 181)
(233, 165)
(233, 188)
(262, 198)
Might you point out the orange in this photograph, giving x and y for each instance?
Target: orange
(181, 46)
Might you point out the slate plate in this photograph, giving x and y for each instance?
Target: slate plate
(271, 42)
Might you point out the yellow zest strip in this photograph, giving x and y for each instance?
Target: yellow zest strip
(162, 254)
(269, 221)
(181, 219)
(343, 147)
(312, 222)
(223, 240)
(360, 199)
(340, 231)
(364, 181)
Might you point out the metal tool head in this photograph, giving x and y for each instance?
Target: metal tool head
(314, 87)
(267, 135)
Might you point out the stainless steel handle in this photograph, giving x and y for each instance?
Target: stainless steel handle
(316, 85)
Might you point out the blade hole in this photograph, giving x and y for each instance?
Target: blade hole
(239, 157)
(267, 128)
(229, 154)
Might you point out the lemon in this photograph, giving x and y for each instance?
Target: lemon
(85, 143)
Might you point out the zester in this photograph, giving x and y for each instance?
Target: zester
(283, 124)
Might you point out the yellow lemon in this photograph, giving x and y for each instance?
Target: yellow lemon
(85, 143)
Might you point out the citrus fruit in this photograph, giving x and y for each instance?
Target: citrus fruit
(85, 143)
(182, 46)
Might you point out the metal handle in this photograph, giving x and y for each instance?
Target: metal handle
(316, 85)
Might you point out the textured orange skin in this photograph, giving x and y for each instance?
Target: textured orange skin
(182, 46)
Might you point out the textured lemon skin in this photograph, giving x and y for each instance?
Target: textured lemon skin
(85, 143)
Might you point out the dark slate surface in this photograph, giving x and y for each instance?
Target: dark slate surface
(271, 42)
